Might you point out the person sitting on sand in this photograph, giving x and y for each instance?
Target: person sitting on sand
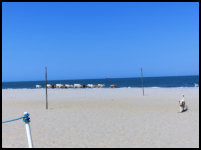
(182, 104)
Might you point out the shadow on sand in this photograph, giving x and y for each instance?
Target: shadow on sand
(186, 109)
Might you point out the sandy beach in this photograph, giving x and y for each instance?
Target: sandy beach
(105, 117)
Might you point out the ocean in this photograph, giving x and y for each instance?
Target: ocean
(160, 82)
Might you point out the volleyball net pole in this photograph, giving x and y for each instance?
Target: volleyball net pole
(46, 87)
(28, 129)
(142, 82)
(26, 120)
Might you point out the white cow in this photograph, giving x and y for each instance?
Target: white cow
(101, 85)
(59, 85)
(90, 85)
(196, 85)
(67, 85)
(38, 86)
(77, 85)
(49, 86)
(71, 86)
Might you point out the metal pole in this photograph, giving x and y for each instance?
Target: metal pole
(142, 82)
(46, 87)
(28, 129)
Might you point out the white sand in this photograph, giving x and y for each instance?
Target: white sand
(102, 117)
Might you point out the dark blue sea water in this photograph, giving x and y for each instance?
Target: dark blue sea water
(173, 81)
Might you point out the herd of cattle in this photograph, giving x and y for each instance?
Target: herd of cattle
(76, 86)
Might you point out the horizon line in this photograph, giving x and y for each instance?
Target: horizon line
(102, 78)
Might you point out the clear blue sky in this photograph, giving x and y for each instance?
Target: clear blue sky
(98, 40)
